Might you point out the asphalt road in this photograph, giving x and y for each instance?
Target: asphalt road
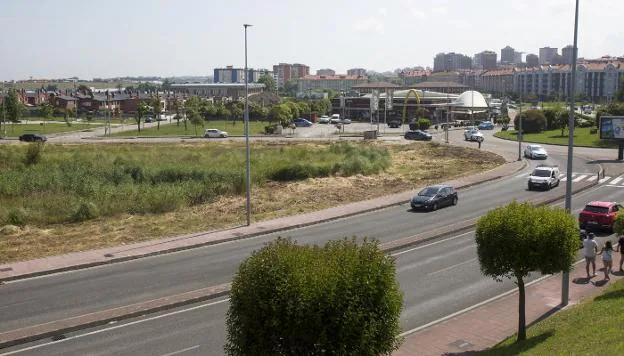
(48, 298)
(437, 279)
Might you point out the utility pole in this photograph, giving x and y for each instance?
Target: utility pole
(565, 277)
(247, 150)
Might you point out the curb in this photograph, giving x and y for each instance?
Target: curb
(235, 238)
(12, 338)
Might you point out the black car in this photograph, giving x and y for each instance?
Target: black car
(149, 120)
(29, 137)
(434, 197)
(418, 135)
(395, 123)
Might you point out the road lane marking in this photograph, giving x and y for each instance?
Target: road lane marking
(116, 327)
(579, 178)
(604, 179)
(430, 244)
(451, 267)
(616, 180)
(614, 186)
(182, 351)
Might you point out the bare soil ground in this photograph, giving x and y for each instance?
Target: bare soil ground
(413, 166)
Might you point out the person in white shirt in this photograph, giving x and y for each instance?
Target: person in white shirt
(590, 248)
(607, 258)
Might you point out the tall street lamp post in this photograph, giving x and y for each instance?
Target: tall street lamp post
(247, 151)
(565, 277)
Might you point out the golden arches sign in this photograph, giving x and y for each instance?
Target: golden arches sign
(411, 91)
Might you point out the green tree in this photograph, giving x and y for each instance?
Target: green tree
(561, 119)
(14, 108)
(290, 88)
(207, 110)
(142, 111)
(294, 109)
(304, 107)
(288, 299)
(45, 110)
(268, 81)
(258, 113)
(157, 108)
(517, 239)
(281, 113)
(222, 111)
(236, 110)
(533, 121)
(619, 94)
(192, 105)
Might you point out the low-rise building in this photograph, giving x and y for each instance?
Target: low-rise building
(340, 83)
(230, 90)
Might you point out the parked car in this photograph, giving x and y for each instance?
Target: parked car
(30, 137)
(599, 215)
(395, 123)
(418, 135)
(215, 133)
(434, 197)
(344, 121)
(545, 177)
(473, 135)
(149, 119)
(535, 152)
(301, 122)
(323, 119)
(487, 125)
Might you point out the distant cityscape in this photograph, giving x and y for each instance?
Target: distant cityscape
(545, 75)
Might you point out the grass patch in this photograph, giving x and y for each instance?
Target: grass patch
(582, 137)
(16, 130)
(566, 333)
(81, 197)
(172, 129)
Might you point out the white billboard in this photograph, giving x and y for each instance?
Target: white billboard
(612, 127)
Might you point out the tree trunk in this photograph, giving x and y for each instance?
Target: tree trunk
(521, 309)
(139, 125)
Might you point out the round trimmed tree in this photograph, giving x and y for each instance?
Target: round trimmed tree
(341, 299)
(517, 239)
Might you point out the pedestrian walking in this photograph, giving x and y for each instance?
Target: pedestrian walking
(607, 258)
(590, 248)
(621, 249)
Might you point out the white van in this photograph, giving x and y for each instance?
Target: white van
(335, 118)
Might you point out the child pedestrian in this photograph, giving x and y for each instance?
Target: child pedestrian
(621, 249)
(607, 258)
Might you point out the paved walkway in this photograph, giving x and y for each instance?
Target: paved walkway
(494, 321)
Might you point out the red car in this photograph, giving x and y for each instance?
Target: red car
(599, 215)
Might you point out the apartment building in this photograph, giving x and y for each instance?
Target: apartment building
(229, 74)
(546, 55)
(340, 83)
(285, 72)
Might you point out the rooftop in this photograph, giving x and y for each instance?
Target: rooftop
(217, 85)
(335, 77)
(375, 85)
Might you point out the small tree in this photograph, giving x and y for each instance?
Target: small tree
(342, 299)
(268, 81)
(533, 121)
(561, 120)
(424, 124)
(156, 110)
(618, 225)
(142, 110)
(14, 108)
(517, 239)
(46, 110)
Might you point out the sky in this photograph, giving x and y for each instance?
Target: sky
(112, 38)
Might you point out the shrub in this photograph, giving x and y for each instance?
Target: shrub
(551, 118)
(618, 225)
(533, 121)
(17, 216)
(424, 124)
(34, 153)
(85, 211)
(342, 299)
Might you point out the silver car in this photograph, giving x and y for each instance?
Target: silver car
(535, 152)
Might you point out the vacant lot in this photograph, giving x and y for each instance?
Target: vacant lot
(76, 197)
(15, 130)
(233, 128)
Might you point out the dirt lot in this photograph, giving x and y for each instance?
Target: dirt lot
(413, 166)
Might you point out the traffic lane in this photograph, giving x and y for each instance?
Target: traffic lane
(75, 293)
(197, 329)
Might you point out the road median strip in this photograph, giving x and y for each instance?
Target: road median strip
(60, 327)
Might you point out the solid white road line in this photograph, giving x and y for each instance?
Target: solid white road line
(451, 267)
(431, 244)
(182, 351)
(116, 327)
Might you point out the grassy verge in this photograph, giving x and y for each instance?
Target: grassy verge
(82, 197)
(15, 130)
(592, 328)
(172, 129)
(582, 137)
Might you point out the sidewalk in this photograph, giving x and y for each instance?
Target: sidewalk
(494, 321)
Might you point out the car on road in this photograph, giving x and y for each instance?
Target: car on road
(215, 133)
(599, 215)
(535, 152)
(544, 177)
(31, 137)
(473, 135)
(487, 125)
(434, 197)
(395, 123)
(301, 122)
(323, 119)
(417, 135)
